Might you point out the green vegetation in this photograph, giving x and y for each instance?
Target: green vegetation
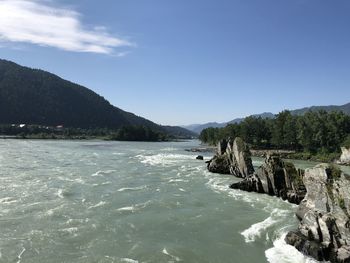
(346, 143)
(314, 135)
(333, 172)
(137, 133)
(39, 98)
(126, 133)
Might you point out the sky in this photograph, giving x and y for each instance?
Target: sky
(181, 62)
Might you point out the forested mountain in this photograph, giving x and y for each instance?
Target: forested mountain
(344, 108)
(32, 96)
(199, 127)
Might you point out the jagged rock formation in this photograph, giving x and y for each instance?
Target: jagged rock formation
(345, 156)
(277, 178)
(323, 193)
(232, 157)
(324, 229)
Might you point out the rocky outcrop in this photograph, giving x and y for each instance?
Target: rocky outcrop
(264, 153)
(232, 157)
(277, 178)
(345, 156)
(324, 229)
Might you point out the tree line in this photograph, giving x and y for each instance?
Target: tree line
(313, 132)
(125, 133)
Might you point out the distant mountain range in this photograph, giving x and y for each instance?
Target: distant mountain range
(197, 128)
(32, 96)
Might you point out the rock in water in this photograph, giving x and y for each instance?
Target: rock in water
(200, 157)
(275, 177)
(240, 158)
(323, 232)
(219, 164)
(233, 157)
(345, 156)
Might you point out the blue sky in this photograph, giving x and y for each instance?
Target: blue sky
(188, 61)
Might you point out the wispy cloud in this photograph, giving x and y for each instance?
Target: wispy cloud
(42, 23)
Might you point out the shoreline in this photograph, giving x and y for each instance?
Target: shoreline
(285, 154)
(58, 138)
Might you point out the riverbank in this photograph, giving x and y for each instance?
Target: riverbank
(80, 138)
(285, 154)
(294, 155)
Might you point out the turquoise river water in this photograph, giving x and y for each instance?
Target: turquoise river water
(96, 201)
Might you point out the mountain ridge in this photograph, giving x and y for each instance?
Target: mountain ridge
(199, 127)
(35, 96)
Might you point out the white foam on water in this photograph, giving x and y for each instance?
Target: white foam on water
(8, 200)
(127, 208)
(60, 193)
(165, 252)
(178, 180)
(19, 257)
(70, 230)
(129, 260)
(132, 188)
(49, 212)
(221, 185)
(281, 252)
(134, 208)
(102, 173)
(102, 203)
(255, 230)
(182, 190)
(163, 159)
(77, 221)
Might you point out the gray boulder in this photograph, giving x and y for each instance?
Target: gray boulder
(324, 229)
(233, 157)
(345, 156)
(277, 178)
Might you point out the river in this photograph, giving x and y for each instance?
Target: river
(96, 201)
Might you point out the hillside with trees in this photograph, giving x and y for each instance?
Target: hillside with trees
(199, 127)
(314, 133)
(36, 97)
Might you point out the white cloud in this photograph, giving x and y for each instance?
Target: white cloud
(40, 22)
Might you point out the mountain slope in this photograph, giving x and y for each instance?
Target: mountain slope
(37, 97)
(344, 108)
(197, 128)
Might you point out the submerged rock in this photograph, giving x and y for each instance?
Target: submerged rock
(277, 178)
(233, 157)
(323, 232)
